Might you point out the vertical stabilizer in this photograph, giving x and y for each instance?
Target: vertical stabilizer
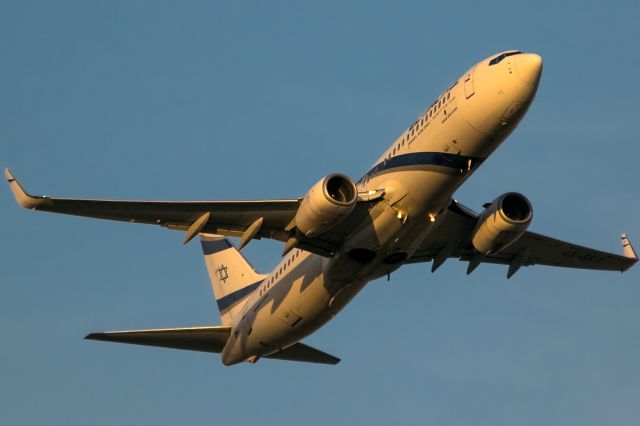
(232, 277)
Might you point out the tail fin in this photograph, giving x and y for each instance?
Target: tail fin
(232, 277)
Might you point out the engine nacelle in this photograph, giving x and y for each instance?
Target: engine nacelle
(502, 223)
(327, 203)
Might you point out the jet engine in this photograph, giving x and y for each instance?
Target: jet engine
(502, 223)
(327, 203)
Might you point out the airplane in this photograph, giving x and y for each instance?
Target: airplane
(343, 234)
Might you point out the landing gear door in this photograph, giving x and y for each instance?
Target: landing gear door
(289, 317)
(468, 85)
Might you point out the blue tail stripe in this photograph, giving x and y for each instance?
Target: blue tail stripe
(214, 246)
(228, 300)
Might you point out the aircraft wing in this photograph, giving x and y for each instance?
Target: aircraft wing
(259, 218)
(452, 238)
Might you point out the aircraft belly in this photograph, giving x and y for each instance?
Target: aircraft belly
(292, 310)
(298, 307)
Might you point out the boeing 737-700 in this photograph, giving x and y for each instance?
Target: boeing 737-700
(343, 234)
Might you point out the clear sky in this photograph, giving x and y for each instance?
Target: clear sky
(243, 100)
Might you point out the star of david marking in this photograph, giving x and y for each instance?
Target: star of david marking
(223, 274)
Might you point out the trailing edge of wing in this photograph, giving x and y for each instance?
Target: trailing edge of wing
(203, 339)
(304, 353)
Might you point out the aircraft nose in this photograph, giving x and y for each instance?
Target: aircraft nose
(529, 67)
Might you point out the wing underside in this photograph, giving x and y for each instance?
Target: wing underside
(228, 218)
(530, 249)
(235, 218)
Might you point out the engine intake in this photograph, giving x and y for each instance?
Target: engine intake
(326, 204)
(502, 223)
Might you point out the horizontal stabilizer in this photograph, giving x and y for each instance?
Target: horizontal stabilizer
(304, 353)
(204, 339)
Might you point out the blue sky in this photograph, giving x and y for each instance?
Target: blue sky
(243, 100)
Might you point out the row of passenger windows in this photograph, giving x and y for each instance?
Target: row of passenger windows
(424, 119)
(279, 272)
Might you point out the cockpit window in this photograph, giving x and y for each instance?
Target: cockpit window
(500, 57)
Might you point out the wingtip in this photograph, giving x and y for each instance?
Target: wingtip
(627, 247)
(22, 197)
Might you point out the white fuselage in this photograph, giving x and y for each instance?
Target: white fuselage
(419, 174)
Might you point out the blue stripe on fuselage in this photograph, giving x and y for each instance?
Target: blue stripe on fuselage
(442, 159)
(231, 298)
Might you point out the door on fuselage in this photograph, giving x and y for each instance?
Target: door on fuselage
(468, 85)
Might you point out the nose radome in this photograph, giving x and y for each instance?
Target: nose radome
(528, 67)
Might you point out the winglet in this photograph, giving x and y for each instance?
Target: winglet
(22, 197)
(627, 248)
